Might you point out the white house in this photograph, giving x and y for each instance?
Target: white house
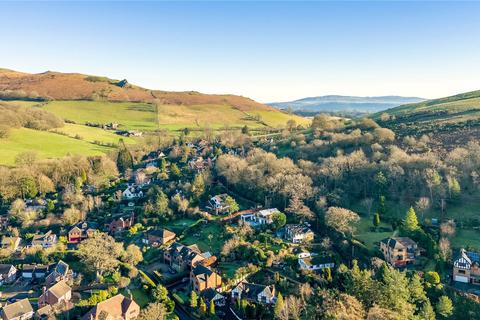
(262, 217)
(298, 233)
(8, 273)
(132, 192)
(311, 261)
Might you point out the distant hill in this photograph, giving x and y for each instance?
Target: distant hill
(454, 119)
(344, 104)
(85, 100)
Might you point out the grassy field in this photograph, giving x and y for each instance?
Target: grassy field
(92, 134)
(466, 238)
(46, 144)
(139, 116)
(142, 116)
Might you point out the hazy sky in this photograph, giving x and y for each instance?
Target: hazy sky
(270, 51)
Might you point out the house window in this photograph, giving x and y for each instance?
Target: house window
(461, 271)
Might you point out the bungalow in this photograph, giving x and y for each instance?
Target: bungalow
(211, 294)
(400, 251)
(45, 241)
(158, 237)
(298, 233)
(120, 224)
(80, 232)
(202, 278)
(61, 272)
(117, 307)
(255, 293)
(181, 257)
(217, 203)
(314, 262)
(8, 273)
(466, 268)
(10, 243)
(59, 293)
(132, 192)
(20, 310)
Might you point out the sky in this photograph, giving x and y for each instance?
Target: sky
(269, 51)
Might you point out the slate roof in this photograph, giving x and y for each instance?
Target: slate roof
(5, 268)
(402, 241)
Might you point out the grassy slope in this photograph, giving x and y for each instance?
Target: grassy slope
(92, 134)
(142, 116)
(46, 144)
(455, 115)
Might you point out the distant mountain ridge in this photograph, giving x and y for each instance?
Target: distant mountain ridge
(339, 103)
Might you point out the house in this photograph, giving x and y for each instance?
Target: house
(158, 237)
(80, 232)
(259, 218)
(132, 192)
(117, 307)
(45, 241)
(120, 224)
(202, 278)
(61, 272)
(298, 233)
(466, 268)
(34, 271)
(45, 313)
(19, 310)
(8, 273)
(211, 294)
(312, 262)
(255, 293)
(181, 257)
(10, 243)
(198, 164)
(400, 251)
(217, 203)
(37, 204)
(58, 294)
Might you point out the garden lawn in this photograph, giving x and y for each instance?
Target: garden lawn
(370, 238)
(140, 297)
(466, 238)
(200, 235)
(179, 225)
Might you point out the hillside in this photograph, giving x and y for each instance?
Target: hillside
(81, 99)
(454, 119)
(344, 104)
(180, 109)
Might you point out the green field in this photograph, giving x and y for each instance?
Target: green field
(46, 144)
(129, 115)
(143, 116)
(92, 134)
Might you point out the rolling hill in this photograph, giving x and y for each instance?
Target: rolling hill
(344, 104)
(454, 119)
(80, 99)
